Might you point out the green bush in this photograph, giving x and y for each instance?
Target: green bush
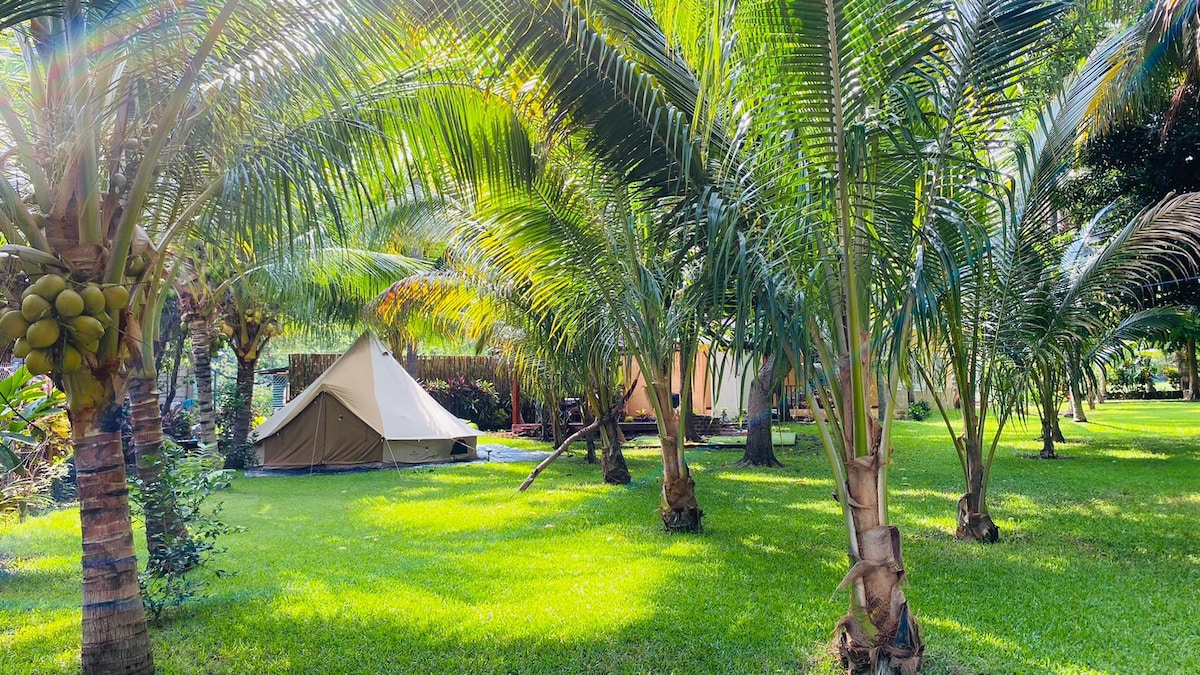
(919, 410)
(34, 441)
(190, 480)
(475, 400)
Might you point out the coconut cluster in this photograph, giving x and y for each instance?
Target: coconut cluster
(257, 323)
(59, 323)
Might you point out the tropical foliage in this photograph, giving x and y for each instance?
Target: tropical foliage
(858, 192)
(33, 441)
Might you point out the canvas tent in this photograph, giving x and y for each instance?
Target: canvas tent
(364, 410)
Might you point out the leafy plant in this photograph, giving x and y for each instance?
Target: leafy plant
(34, 442)
(919, 411)
(169, 579)
(476, 400)
(237, 455)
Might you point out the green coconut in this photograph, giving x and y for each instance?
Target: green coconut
(116, 297)
(43, 333)
(72, 359)
(34, 307)
(69, 304)
(13, 324)
(86, 329)
(136, 266)
(38, 362)
(21, 348)
(90, 347)
(49, 286)
(93, 299)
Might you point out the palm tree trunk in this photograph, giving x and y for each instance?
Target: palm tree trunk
(556, 421)
(974, 521)
(163, 522)
(680, 511)
(880, 634)
(760, 449)
(1102, 387)
(612, 460)
(410, 359)
(115, 639)
(1078, 413)
(245, 410)
(201, 334)
(1193, 378)
(1049, 413)
(590, 457)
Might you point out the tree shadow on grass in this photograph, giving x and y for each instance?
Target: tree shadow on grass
(452, 571)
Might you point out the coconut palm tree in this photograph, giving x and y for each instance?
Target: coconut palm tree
(1075, 316)
(127, 122)
(471, 298)
(245, 290)
(759, 120)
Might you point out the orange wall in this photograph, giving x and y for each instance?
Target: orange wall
(702, 386)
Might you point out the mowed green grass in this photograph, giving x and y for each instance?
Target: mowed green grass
(450, 570)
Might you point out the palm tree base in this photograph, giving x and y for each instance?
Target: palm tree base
(898, 652)
(974, 525)
(612, 461)
(769, 462)
(682, 520)
(680, 511)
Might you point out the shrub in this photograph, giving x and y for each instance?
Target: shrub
(192, 480)
(919, 410)
(34, 441)
(476, 400)
(179, 423)
(228, 404)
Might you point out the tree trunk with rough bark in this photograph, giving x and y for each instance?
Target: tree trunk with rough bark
(173, 379)
(115, 639)
(200, 331)
(680, 511)
(163, 522)
(1049, 414)
(245, 410)
(1077, 411)
(974, 522)
(760, 450)
(612, 460)
(879, 634)
(1193, 377)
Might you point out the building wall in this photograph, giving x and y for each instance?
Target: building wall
(702, 385)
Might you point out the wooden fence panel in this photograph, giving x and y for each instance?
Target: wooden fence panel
(304, 369)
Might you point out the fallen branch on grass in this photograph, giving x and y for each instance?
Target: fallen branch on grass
(617, 410)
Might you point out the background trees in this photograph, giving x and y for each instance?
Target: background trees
(631, 180)
(103, 105)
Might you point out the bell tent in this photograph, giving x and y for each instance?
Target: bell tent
(364, 410)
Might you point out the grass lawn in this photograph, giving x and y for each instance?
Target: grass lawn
(450, 570)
